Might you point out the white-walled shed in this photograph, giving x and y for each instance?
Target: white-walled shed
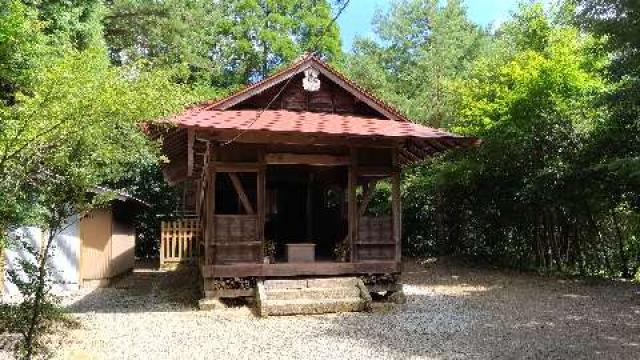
(89, 252)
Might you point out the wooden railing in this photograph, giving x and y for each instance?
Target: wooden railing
(179, 240)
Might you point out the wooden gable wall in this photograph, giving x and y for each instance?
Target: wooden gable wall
(331, 98)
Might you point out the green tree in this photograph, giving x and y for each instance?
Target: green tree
(173, 33)
(535, 193)
(220, 44)
(70, 22)
(21, 44)
(254, 37)
(619, 22)
(424, 45)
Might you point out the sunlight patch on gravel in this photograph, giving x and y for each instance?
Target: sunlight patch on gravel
(421, 328)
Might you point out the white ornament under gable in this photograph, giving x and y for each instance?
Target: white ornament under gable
(311, 82)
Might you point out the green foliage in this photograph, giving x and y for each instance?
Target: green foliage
(75, 23)
(177, 34)
(554, 184)
(144, 181)
(618, 22)
(18, 318)
(425, 44)
(82, 121)
(223, 44)
(20, 47)
(70, 121)
(254, 37)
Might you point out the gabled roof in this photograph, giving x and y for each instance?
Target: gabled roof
(305, 62)
(234, 116)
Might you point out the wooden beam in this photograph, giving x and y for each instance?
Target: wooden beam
(300, 269)
(375, 171)
(408, 154)
(307, 159)
(420, 151)
(237, 184)
(174, 174)
(222, 166)
(271, 137)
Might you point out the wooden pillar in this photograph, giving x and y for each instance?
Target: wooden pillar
(261, 182)
(190, 156)
(309, 208)
(211, 207)
(396, 209)
(211, 210)
(352, 212)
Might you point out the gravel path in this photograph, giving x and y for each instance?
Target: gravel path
(453, 312)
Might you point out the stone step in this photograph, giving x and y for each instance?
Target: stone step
(311, 306)
(313, 293)
(311, 283)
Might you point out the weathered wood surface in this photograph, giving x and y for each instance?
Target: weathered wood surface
(178, 240)
(300, 269)
(396, 209)
(375, 238)
(352, 205)
(306, 159)
(235, 238)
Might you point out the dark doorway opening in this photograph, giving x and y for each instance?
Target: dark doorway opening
(305, 204)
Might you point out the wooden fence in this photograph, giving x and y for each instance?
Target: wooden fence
(179, 240)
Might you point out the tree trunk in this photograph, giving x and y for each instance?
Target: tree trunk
(624, 261)
(39, 296)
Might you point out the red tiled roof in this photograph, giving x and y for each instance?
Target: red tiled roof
(305, 122)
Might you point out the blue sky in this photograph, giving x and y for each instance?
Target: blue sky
(356, 19)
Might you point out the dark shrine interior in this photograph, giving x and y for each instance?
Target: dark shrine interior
(303, 204)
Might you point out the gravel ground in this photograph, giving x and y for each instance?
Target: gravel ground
(453, 311)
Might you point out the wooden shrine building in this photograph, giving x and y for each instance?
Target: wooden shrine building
(284, 192)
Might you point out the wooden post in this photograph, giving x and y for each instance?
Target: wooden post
(352, 183)
(261, 182)
(309, 209)
(396, 209)
(211, 206)
(190, 141)
(163, 229)
(210, 218)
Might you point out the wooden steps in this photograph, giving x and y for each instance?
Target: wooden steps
(312, 296)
